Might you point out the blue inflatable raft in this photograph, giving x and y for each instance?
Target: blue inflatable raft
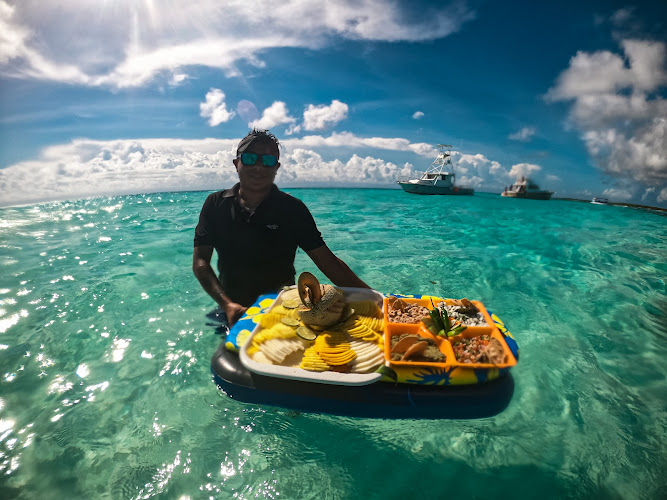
(383, 398)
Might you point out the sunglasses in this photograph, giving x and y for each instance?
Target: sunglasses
(250, 159)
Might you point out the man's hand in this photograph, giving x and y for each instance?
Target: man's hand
(234, 312)
(201, 265)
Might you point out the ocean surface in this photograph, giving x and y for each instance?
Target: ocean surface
(105, 349)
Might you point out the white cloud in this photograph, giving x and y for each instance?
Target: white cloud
(603, 72)
(648, 192)
(524, 135)
(276, 114)
(619, 111)
(215, 108)
(662, 197)
(128, 43)
(321, 117)
(524, 170)
(86, 167)
(307, 168)
(618, 194)
(417, 115)
(347, 139)
(177, 78)
(478, 171)
(12, 37)
(89, 168)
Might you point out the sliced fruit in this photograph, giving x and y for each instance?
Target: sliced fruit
(291, 304)
(306, 333)
(290, 321)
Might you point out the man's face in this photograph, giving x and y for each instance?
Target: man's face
(257, 176)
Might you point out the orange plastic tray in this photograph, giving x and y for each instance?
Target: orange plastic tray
(445, 344)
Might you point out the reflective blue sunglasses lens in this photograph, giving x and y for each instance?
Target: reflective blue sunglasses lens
(249, 159)
(269, 160)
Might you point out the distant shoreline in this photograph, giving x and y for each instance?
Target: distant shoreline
(391, 188)
(631, 205)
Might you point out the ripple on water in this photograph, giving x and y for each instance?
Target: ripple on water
(115, 302)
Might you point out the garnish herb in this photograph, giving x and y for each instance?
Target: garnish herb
(443, 323)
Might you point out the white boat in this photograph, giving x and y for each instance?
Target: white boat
(599, 201)
(526, 188)
(438, 179)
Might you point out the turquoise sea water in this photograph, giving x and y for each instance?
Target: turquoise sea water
(105, 384)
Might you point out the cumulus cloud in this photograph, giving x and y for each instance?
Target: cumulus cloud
(89, 168)
(524, 170)
(276, 114)
(127, 44)
(347, 139)
(304, 167)
(618, 194)
(86, 167)
(619, 111)
(478, 171)
(524, 135)
(417, 115)
(321, 117)
(215, 108)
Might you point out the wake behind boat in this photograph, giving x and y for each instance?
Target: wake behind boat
(438, 179)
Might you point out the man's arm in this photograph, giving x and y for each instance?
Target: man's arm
(201, 266)
(334, 268)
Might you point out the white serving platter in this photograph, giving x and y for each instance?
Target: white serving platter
(295, 373)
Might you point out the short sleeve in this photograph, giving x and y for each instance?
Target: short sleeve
(308, 237)
(203, 231)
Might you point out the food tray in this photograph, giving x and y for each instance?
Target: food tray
(445, 344)
(295, 373)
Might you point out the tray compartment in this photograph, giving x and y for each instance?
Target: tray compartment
(477, 329)
(469, 334)
(420, 302)
(393, 330)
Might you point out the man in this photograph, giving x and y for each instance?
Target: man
(255, 228)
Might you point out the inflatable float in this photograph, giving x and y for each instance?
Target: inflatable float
(313, 370)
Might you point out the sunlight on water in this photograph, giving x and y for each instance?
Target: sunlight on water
(105, 385)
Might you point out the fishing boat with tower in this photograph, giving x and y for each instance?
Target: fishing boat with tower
(438, 179)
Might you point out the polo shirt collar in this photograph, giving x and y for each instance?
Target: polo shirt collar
(233, 192)
(236, 205)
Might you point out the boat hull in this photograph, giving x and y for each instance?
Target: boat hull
(413, 188)
(546, 195)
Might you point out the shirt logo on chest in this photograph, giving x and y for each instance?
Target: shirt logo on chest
(272, 226)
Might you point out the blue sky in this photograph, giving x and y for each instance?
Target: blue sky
(102, 97)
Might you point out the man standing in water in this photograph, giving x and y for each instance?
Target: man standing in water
(255, 228)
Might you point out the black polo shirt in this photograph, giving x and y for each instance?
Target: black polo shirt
(256, 250)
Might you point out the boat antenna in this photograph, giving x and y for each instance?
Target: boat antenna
(443, 160)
